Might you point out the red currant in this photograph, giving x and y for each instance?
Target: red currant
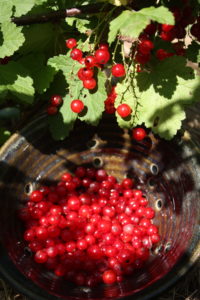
(52, 110)
(109, 277)
(102, 56)
(71, 43)
(138, 134)
(166, 27)
(56, 100)
(124, 110)
(118, 70)
(77, 106)
(89, 84)
(90, 62)
(76, 54)
(85, 73)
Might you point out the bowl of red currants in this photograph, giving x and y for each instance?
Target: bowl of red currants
(100, 215)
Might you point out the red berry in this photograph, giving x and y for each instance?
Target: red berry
(149, 213)
(29, 235)
(145, 47)
(56, 100)
(94, 252)
(85, 73)
(102, 56)
(89, 84)
(90, 62)
(166, 27)
(71, 43)
(168, 36)
(52, 110)
(103, 46)
(41, 256)
(124, 110)
(76, 54)
(151, 29)
(118, 70)
(138, 134)
(73, 203)
(109, 277)
(66, 177)
(142, 58)
(77, 106)
(161, 54)
(41, 233)
(36, 196)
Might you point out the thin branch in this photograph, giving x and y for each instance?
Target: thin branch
(61, 14)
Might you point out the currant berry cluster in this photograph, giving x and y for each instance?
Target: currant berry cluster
(87, 75)
(168, 33)
(56, 101)
(89, 228)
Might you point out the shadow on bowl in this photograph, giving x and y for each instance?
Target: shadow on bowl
(167, 172)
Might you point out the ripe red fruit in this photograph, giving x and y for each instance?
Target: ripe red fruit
(168, 36)
(142, 58)
(124, 110)
(109, 277)
(166, 27)
(118, 70)
(41, 256)
(103, 46)
(56, 100)
(151, 29)
(77, 106)
(145, 47)
(76, 54)
(138, 134)
(71, 43)
(52, 110)
(85, 73)
(89, 84)
(36, 196)
(161, 54)
(102, 56)
(91, 223)
(90, 61)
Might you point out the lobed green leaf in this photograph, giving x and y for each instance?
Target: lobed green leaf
(13, 39)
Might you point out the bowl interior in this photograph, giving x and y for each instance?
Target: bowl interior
(167, 172)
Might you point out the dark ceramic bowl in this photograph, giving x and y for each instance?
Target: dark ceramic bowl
(168, 172)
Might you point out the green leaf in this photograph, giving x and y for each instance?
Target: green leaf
(13, 39)
(22, 7)
(125, 94)
(42, 75)
(94, 101)
(132, 23)
(62, 123)
(39, 38)
(6, 10)
(65, 64)
(164, 93)
(14, 78)
(80, 24)
(159, 14)
(193, 52)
